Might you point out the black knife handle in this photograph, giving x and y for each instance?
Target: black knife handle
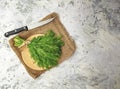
(25, 28)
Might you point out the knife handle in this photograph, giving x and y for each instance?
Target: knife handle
(7, 34)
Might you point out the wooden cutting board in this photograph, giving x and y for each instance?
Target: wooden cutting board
(67, 50)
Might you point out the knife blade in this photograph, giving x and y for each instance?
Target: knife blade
(28, 27)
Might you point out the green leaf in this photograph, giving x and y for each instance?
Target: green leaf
(46, 50)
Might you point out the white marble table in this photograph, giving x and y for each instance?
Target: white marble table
(93, 24)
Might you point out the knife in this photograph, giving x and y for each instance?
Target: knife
(26, 28)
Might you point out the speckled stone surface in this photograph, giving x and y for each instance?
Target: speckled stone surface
(93, 24)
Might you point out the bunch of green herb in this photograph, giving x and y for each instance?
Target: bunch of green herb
(46, 50)
(18, 41)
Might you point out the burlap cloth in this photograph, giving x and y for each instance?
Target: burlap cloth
(67, 50)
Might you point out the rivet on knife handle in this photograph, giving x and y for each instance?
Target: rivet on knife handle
(7, 34)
